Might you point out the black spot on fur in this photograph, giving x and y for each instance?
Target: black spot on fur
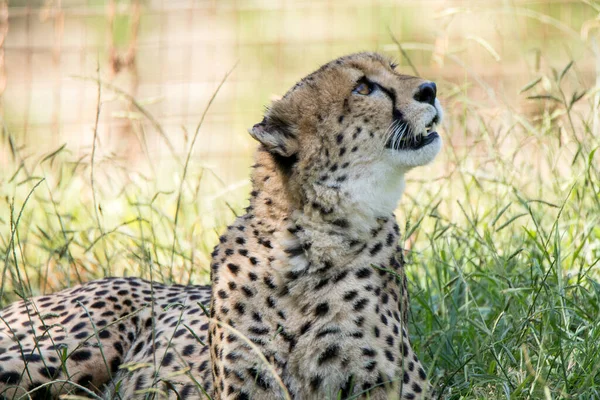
(328, 331)
(247, 291)
(293, 275)
(404, 349)
(315, 382)
(138, 347)
(78, 327)
(81, 355)
(321, 309)
(340, 276)
(359, 305)
(322, 283)
(98, 304)
(31, 357)
(233, 268)
(390, 240)
(305, 327)
(330, 353)
(114, 365)
(349, 296)
(240, 308)
(342, 223)
(188, 350)
(49, 372)
(375, 249)
(417, 388)
(167, 359)
(346, 390)
(258, 330)
(242, 396)
(85, 380)
(258, 378)
(389, 355)
(10, 377)
(364, 273)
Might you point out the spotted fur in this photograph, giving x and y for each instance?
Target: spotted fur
(309, 297)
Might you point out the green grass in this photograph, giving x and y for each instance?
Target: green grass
(506, 260)
(502, 236)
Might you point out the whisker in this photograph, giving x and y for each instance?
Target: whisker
(396, 136)
(391, 134)
(402, 133)
(396, 133)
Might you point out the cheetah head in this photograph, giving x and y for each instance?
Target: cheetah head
(349, 131)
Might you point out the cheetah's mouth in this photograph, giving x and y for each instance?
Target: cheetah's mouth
(404, 138)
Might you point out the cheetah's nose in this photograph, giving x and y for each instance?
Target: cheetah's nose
(426, 93)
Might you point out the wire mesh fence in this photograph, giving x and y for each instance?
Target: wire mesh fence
(164, 59)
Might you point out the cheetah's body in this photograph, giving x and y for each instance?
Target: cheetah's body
(309, 294)
(99, 327)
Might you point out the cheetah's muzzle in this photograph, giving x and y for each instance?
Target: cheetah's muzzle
(403, 138)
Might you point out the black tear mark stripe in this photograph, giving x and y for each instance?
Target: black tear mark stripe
(390, 92)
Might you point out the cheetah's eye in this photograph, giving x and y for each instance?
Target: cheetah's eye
(393, 65)
(363, 88)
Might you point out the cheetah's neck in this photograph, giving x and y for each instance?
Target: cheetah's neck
(352, 210)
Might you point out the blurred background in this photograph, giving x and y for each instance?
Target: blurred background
(116, 159)
(170, 55)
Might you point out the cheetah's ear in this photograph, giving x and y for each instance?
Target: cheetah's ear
(276, 136)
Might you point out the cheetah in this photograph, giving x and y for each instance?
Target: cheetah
(308, 296)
